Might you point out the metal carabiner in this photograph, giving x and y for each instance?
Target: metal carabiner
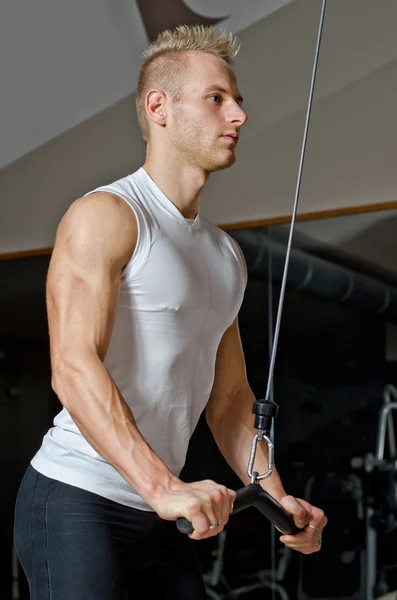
(253, 475)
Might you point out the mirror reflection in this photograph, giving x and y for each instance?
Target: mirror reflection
(335, 378)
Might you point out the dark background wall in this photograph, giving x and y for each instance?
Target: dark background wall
(330, 372)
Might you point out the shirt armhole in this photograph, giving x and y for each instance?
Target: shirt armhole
(140, 254)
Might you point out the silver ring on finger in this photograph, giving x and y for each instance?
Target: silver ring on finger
(316, 529)
(215, 526)
(319, 542)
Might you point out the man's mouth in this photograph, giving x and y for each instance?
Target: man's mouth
(231, 136)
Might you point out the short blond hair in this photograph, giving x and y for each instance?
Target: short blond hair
(164, 61)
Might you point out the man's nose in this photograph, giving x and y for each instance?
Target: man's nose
(239, 115)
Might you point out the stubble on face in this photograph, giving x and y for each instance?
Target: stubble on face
(197, 144)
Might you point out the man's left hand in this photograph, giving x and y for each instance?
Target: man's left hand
(310, 519)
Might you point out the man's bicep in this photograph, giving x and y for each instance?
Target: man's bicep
(84, 278)
(79, 307)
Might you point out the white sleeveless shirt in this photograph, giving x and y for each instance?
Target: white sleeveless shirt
(181, 290)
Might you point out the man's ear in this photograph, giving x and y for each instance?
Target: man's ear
(155, 102)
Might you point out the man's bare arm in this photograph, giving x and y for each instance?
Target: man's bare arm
(229, 413)
(230, 418)
(95, 240)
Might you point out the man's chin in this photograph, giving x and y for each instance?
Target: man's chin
(224, 164)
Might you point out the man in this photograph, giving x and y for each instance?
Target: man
(143, 296)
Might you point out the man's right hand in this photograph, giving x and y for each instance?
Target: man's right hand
(203, 503)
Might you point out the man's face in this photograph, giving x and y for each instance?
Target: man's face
(205, 122)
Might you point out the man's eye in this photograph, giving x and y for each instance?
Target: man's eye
(216, 97)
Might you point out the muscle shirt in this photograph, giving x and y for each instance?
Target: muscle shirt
(181, 290)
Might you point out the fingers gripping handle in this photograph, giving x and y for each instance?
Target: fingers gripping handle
(254, 495)
(184, 526)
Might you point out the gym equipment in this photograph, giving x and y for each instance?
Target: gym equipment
(339, 572)
(380, 510)
(265, 411)
(259, 580)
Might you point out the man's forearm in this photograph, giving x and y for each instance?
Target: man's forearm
(233, 431)
(90, 395)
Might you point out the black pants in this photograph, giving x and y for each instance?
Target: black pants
(75, 545)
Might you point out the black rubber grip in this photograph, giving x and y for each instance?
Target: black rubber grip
(254, 495)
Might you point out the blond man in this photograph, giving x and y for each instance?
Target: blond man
(143, 295)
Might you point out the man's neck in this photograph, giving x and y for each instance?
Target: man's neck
(182, 184)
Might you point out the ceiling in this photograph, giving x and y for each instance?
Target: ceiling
(68, 121)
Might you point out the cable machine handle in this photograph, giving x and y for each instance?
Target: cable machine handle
(254, 495)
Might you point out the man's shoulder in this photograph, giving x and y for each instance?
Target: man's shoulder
(100, 208)
(99, 224)
(125, 183)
